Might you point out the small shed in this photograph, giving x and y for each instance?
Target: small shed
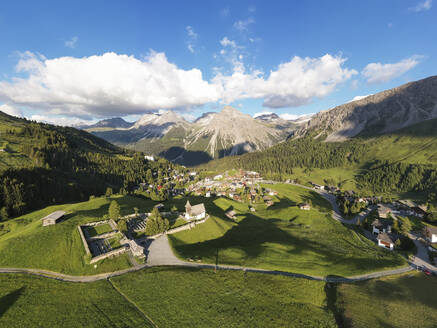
(52, 218)
(304, 206)
(231, 214)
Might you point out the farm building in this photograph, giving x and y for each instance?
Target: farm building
(52, 218)
(196, 212)
(231, 214)
(304, 206)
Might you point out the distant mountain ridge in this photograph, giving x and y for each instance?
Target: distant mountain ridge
(383, 112)
(116, 122)
(213, 135)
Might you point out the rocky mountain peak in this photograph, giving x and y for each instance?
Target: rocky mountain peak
(383, 112)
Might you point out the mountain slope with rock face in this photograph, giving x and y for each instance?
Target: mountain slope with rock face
(213, 135)
(383, 112)
(114, 123)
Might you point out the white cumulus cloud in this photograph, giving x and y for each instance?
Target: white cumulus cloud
(105, 85)
(379, 73)
(61, 120)
(118, 85)
(72, 42)
(422, 6)
(294, 83)
(11, 110)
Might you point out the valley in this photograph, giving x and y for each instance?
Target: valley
(213, 135)
(229, 220)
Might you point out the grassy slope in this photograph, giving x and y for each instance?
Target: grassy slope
(14, 156)
(403, 301)
(282, 237)
(174, 297)
(414, 144)
(28, 301)
(24, 242)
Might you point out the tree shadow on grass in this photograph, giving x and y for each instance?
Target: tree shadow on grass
(334, 305)
(8, 300)
(252, 233)
(406, 288)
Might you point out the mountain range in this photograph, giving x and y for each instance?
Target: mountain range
(383, 112)
(213, 135)
(231, 132)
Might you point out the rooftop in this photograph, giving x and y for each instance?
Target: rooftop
(385, 237)
(54, 216)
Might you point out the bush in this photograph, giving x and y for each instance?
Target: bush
(108, 192)
(406, 244)
(156, 224)
(114, 210)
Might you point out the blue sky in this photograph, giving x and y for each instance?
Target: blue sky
(84, 60)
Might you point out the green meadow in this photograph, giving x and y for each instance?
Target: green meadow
(406, 301)
(29, 301)
(25, 243)
(283, 237)
(176, 297)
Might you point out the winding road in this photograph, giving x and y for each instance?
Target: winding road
(104, 276)
(161, 254)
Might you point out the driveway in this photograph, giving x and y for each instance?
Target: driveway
(421, 259)
(160, 253)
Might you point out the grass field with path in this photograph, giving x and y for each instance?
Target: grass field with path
(25, 243)
(183, 297)
(407, 301)
(283, 237)
(29, 301)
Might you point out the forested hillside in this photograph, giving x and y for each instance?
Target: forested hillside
(41, 164)
(401, 161)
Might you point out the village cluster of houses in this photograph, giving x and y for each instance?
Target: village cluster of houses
(241, 187)
(172, 185)
(382, 226)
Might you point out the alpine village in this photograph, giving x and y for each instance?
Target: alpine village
(218, 164)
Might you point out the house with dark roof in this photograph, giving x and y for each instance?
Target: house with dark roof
(381, 225)
(386, 240)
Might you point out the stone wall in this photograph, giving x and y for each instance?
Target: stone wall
(188, 226)
(85, 244)
(93, 224)
(104, 235)
(114, 252)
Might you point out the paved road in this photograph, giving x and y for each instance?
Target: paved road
(161, 254)
(336, 214)
(103, 276)
(421, 259)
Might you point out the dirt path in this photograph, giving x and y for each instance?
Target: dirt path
(145, 316)
(85, 279)
(161, 254)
